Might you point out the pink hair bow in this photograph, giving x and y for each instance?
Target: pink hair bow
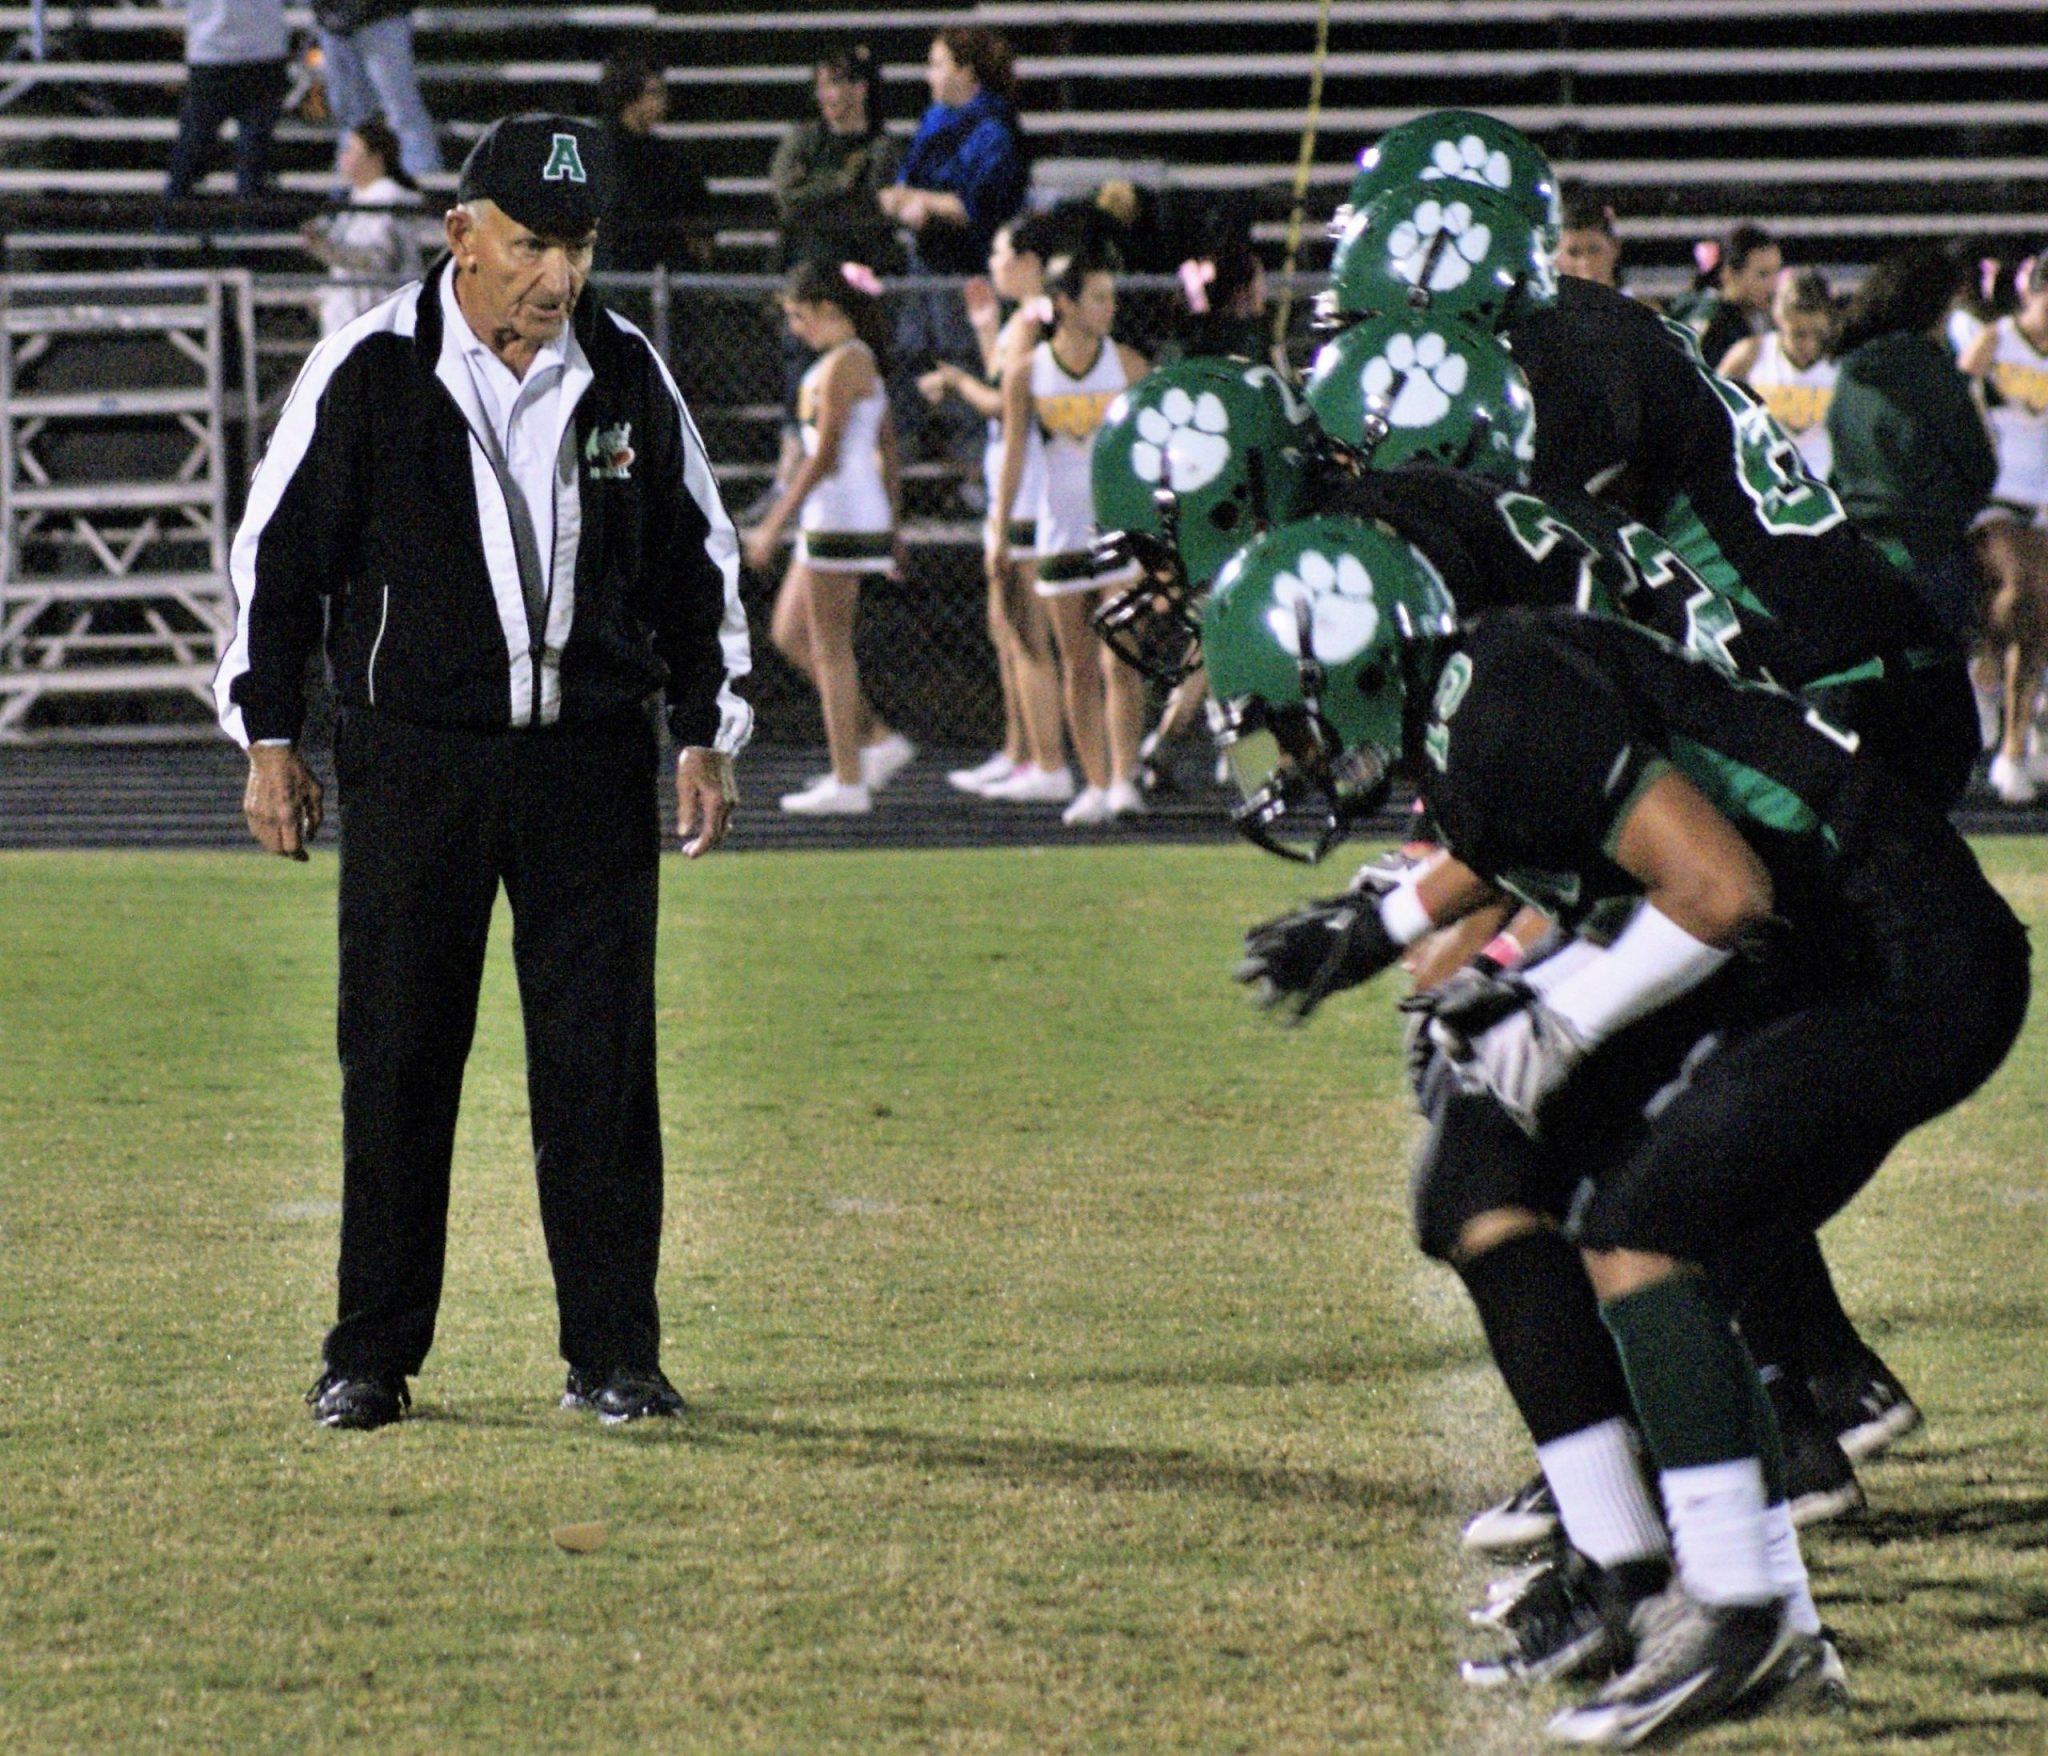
(1195, 275)
(1707, 253)
(861, 278)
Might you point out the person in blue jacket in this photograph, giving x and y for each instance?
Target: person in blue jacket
(964, 175)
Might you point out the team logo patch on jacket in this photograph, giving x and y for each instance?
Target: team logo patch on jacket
(609, 453)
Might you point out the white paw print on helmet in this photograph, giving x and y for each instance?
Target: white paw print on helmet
(1469, 161)
(1343, 617)
(1410, 243)
(1413, 381)
(1184, 442)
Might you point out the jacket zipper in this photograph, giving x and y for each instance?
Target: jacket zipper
(383, 619)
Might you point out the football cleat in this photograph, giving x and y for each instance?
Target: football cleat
(1568, 1619)
(1866, 1408)
(1820, 1481)
(1694, 1664)
(1524, 1519)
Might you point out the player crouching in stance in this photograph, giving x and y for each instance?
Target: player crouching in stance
(1808, 964)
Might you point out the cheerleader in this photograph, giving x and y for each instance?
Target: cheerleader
(1031, 766)
(1788, 366)
(845, 495)
(2010, 358)
(1063, 390)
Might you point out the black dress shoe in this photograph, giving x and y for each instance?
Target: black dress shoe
(338, 1400)
(624, 1395)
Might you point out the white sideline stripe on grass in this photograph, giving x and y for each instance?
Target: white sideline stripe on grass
(862, 1204)
(305, 1210)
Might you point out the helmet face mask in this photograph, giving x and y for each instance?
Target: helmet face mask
(1303, 791)
(1308, 640)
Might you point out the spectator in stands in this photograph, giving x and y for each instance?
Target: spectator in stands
(366, 61)
(1913, 461)
(1586, 243)
(659, 215)
(845, 497)
(1790, 367)
(829, 173)
(375, 235)
(1745, 268)
(964, 174)
(235, 55)
(827, 178)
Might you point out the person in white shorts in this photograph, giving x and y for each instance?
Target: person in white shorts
(1063, 390)
(1789, 364)
(2010, 359)
(1031, 766)
(845, 494)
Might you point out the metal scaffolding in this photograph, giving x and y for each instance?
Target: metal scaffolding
(115, 489)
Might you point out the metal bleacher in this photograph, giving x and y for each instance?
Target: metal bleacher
(1843, 127)
(1838, 125)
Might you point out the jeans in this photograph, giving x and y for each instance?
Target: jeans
(371, 70)
(252, 92)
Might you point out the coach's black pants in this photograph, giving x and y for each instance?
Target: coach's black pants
(432, 822)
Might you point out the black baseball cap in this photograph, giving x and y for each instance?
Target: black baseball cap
(552, 174)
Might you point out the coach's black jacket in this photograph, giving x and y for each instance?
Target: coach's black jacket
(376, 504)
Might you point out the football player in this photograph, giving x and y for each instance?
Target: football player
(1813, 966)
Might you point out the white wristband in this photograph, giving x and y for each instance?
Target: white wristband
(1402, 913)
(1654, 961)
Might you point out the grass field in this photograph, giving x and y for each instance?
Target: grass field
(1062, 1377)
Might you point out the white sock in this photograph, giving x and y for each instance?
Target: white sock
(1717, 1526)
(1602, 1499)
(1788, 1570)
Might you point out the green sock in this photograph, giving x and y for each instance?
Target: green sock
(1770, 1444)
(1690, 1377)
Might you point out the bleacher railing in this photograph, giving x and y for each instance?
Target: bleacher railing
(90, 648)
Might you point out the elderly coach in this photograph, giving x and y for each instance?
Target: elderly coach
(489, 493)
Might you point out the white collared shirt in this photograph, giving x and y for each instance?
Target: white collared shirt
(526, 413)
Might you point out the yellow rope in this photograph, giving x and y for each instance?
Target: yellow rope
(1284, 312)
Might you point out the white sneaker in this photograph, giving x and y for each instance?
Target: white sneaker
(829, 797)
(1125, 800)
(1090, 807)
(1029, 784)
(982, 775)
(882, 761)
(2009, 781)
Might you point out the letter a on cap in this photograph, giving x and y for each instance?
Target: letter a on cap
(563, 161)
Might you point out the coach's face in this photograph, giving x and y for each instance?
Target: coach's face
(517, 288)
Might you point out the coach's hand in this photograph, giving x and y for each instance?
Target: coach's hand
(706, 791)
(282, 800)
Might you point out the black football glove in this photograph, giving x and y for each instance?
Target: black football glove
(1297, 961)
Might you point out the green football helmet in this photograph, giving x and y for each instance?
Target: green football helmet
(1463, 146)
(1320, 639)
(1442, 251)
(1399, 390)
(1190, 464)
